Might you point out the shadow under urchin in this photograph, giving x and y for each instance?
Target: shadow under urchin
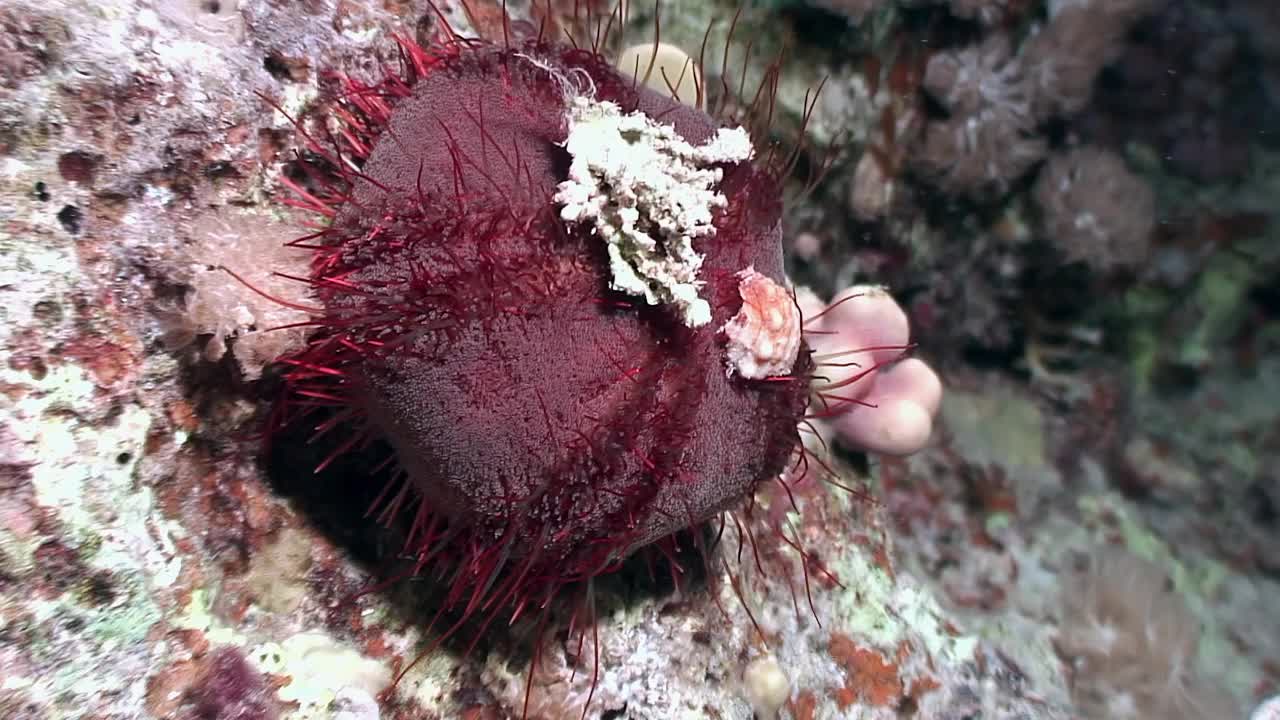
(341, 500)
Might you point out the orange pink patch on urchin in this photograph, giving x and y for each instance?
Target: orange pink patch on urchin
(764, 338)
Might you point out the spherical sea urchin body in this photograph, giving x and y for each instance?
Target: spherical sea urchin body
(547, 424)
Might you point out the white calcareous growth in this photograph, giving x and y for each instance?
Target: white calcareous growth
(648, 193)
(764, 337)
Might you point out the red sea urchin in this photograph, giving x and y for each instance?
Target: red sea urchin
(558, 351)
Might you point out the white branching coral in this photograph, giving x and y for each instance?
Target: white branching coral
(648, 193)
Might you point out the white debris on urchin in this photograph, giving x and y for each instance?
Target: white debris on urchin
(648, 193)
(764, 337)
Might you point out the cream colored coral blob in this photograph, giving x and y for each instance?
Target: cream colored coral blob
(767, 686)
(664, 68)
(764, 337)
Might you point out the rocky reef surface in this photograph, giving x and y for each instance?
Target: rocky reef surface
(1103, 470)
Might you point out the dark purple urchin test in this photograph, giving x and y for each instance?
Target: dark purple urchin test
(557, 395)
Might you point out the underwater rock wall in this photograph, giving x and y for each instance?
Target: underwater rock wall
(152, 564)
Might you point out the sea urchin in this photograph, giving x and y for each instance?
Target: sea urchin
(560, 298)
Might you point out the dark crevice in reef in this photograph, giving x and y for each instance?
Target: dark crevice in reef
(337, 498)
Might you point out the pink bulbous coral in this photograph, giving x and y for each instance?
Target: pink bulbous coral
(873, 398)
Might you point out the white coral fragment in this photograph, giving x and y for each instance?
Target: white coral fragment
(648, 193)
(764, 337)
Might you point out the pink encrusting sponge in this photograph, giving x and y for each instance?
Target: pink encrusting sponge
(532, 283)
